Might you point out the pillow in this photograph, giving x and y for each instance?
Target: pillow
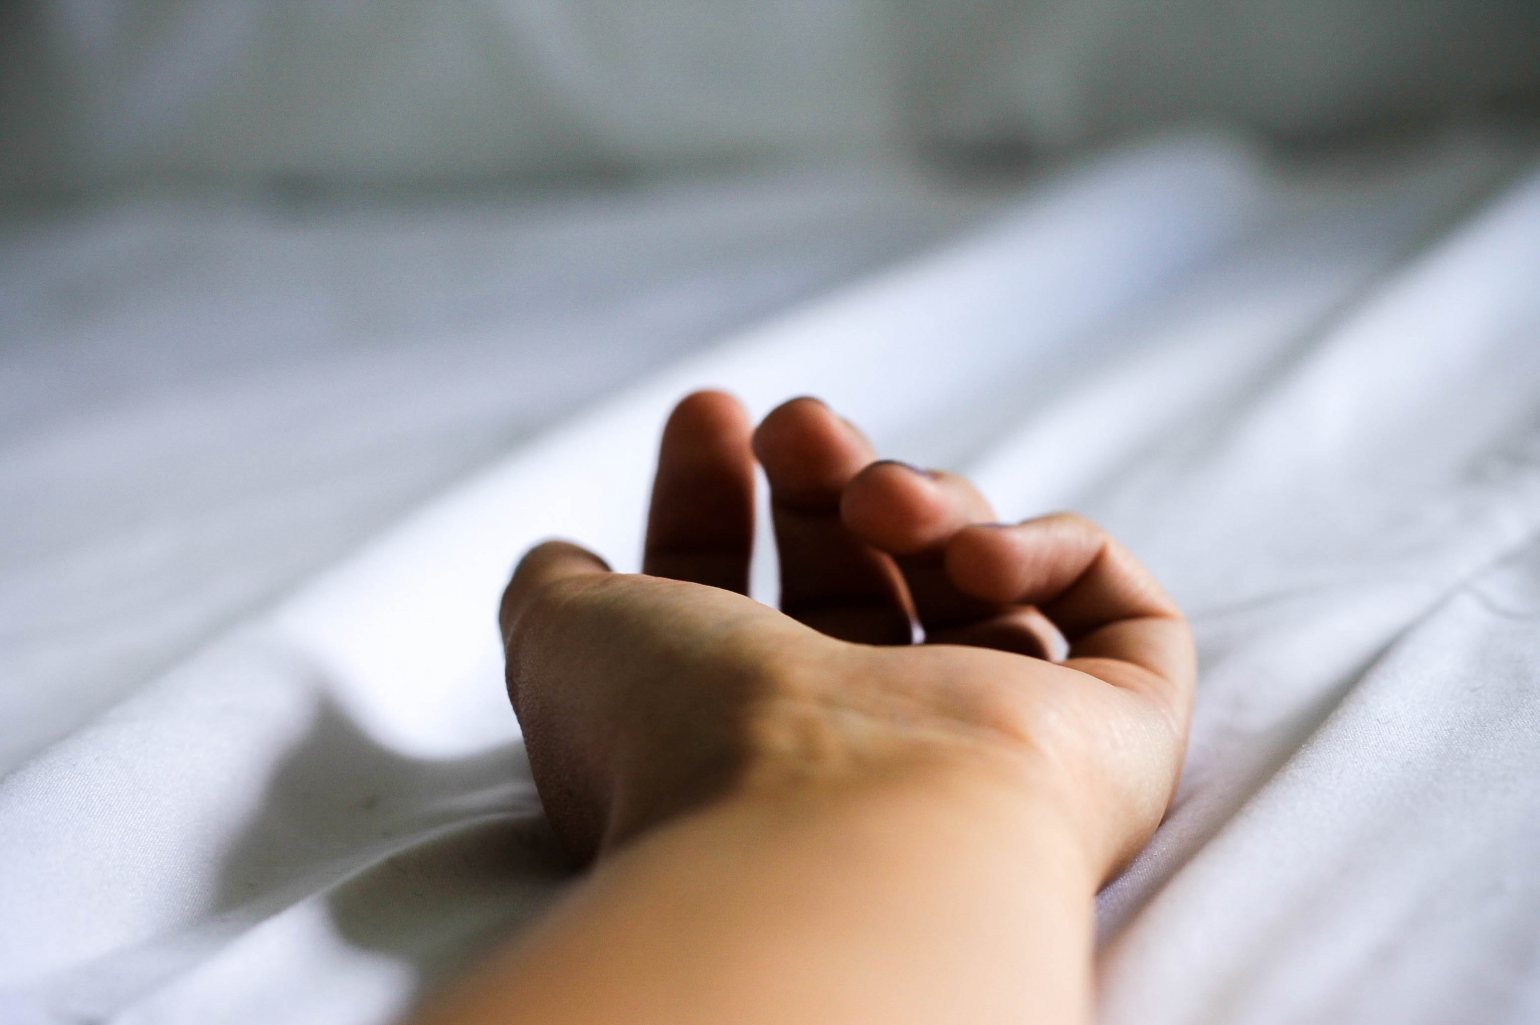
(395, 92)
(1053, 73)
(125, 93)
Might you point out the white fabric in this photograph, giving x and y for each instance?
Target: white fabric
(407, 92)
(1306, 397)
(205, 402)
(1052, 73)
(242, 93)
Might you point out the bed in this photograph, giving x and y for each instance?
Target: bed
(313, 317)
(266, 468)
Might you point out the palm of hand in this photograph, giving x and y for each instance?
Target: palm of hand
(643, 696)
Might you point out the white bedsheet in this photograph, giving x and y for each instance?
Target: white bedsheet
(1309, 397)
(204, 402)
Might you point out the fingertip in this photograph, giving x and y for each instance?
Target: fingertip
(980, 561)
(788, 424)
(894, 506)
(556, 559)
(700, 525)
(545, 563)
(808, 452)
(557, 554)
(707, 413)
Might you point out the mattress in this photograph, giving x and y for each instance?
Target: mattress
(266, 471)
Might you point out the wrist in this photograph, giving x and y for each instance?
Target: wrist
(925, 894)
(848, 740)
(976, 803)
(831, 734)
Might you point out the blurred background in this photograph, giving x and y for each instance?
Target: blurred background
(272, 272)
(123, 95)
(314, 314)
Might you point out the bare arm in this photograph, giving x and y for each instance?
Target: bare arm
(795, 824)
(948, 901)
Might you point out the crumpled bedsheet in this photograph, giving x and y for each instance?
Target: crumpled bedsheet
(1307, 395)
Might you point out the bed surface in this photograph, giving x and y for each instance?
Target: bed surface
(205, 400)
(266, 470)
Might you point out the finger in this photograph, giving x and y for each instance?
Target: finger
(1019, 629)
(911, 514)
(541, 566)
(1118, 622)
(573, 790)
(701, 524)
(830, 579)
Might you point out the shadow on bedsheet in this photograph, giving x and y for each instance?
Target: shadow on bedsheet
(427, 862)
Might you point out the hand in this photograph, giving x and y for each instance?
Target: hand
(644, 697)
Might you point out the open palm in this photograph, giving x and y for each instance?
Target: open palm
(912, 629)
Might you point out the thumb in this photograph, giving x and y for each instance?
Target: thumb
(569, 773)
(542, 566)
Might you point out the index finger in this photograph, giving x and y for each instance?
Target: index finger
(701, 523)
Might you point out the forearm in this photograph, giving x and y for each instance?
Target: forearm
(888, 902)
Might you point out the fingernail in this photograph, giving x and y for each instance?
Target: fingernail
(928, 474)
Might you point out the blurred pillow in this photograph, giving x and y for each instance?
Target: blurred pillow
(1049, 73)
(392, 92)
(424, 91)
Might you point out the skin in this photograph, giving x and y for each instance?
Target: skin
(803, 815)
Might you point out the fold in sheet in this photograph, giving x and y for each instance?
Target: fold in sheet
(1306, 397)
